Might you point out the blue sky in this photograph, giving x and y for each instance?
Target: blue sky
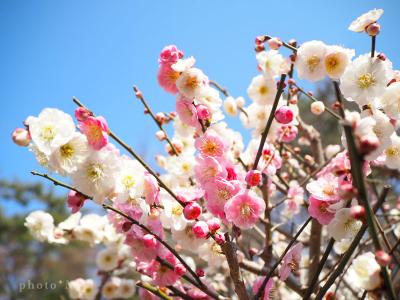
(96, 50)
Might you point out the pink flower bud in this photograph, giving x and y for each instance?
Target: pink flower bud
(160, 135)
(373, 29)
(126, 226)
(260, 39)
(192, 211)
(170, 55)
(253, 251)
(21, 137)
(259, 47)
(179, 269)
(219, 238)
(200, 229)
(382, 258)
(382, 56)
(160, 117)
(358, 212)
(82, 113)
(274, 43)
(75, 201)
(213, 224)
(347, 191)
(284, 115)
(200, 272)
(149, 241)
(317, 107)
(253, 177)
(203, 113)
(287, 133)
(368, 144)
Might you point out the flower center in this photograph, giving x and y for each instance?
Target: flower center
(95, 171)
(224, 194)
(210, 148)
(331, 63)
(313, 62)
(67, 151)
(392, 151)
(128, 181)
(263, 90)
(191, 82)
(177, 210)
(48, 133)
(245, 210)
(366, 80)
(328, 190)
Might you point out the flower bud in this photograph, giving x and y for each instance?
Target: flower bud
(126, 226)
(203, 113)
(179, 269)
(213, 224)
(259, 47)
(317, 107)
(160, 135)
(382, 56)
(368, 144)
(160, 117)
(240, 101)
(21, 137)
(382, 258)
(200, 229)
(274, 43)
(260, 39)
(75, 201)
(284, 115)
(358, 212)
(373, 29)
(81, 114)
(253, 177)
(219, 238)
(200, 272)
(149, 241)
(192, 211)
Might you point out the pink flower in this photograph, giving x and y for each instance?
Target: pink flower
(187, 112)
(287, 133)
(325, 188)
(210, 144)
(21, 137)
(218, 193)
(253, 177)
(139, 250)
(291, 261)
(96, 131)
(169, 55)
(203, 112)
(151, 189)
(270, 160)
(284, 115)
(244, 209)
(162, 275)
(82, 113)
(75, 201)
(268, 288)
(208, 169)
(167, 78)
(192, 211)
(320, 210)
(133, 211)
(200, 229)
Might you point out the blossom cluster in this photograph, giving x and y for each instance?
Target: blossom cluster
(213, 185)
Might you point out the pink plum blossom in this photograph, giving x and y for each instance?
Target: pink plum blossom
(319, 210)
(169, 55)
(167, 78)
(287, 133)
(291, 261)
(187, 112)
(325, 188)
(75, 201)
(266, 295)
(244, 209)
(210, 144)
(151, 189)
(96, 131)
(208, 169)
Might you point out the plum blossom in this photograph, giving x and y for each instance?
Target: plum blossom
(343, 225)
(268, 293)
(96, 131)
(40, 224)
(310, 60)
(364, 272)
(210, 144)
(361, 23)
(291, 261)
(320, 210)
(262, 90)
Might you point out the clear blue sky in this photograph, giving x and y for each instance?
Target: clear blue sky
(96, 50)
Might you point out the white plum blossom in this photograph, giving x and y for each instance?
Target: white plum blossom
(343, 226)
(366, 19)
(230, 106)
(191, 83)
(90, 229)
(40, 225)
(310, 60)
(172, 214)
(272, 63)
(364, 272)
(130, 180)
(107, 259)
(390, 100)
(392, 153)
(51, 129)
(365, 79)
(83, 289)
(262, 89)
(336, 60)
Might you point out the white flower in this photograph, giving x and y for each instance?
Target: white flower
(262, 89)
(84, 289)
(40, 156)
(172, 214)
(390, 100)
(365, 79)
(40, 224)
(212, 253)
(71, 222)
(310, 60)
(343, 226)
(129, 183)
(184, 64)
(181, 166)
(107, 259)
(336, 60)
(51, 129)
(392, 153)
(110, 289)
(210, 97)
(67, 158)
(230, 106)
(90, 229)
(332, 150)
(364, 272)
(366, 19)
(257, 116)
(191, 83)
(97, 175)
(187, 239)
(272, 63)
(126, 288)
(341, 247)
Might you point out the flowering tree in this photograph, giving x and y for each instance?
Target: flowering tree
(281, 217)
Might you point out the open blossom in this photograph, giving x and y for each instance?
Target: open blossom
(364, 272)
(291, 261)
(262, 89)
(320, 210)
(51, 129)
(310, 60)
(392, 153)
(343, 225)
(191, 83)
(271, 63)
(167, 78)
(365, 79)
(325, 188)
(187, 112)
(268, 293)
(129, 182)
(336, 60)
(361, 23)
(68, 157)
(390, 101)
(230, 106)
(107, 259)
(210, 144)
(84, 289)
(96, 131)
(244, 209)
(208, 169)
(40, 225)
(169, 55)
